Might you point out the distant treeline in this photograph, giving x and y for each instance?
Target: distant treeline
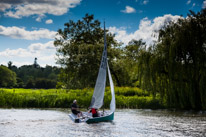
(28, 76)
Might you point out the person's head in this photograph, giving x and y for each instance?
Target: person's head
(75, 101)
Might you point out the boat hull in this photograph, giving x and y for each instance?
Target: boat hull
(106, 118)
(75, 118)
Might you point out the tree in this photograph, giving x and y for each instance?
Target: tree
(20, 83)
(131, 59)
(30, 84)
(36, 65)
(45, 83)
(7, 77)
(79, 50)
(9, 64)
(176, 67)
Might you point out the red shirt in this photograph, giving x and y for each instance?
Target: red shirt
(94, 111)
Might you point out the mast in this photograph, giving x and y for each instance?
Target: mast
(105, 42)
(104, 45)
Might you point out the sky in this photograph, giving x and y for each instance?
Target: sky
(28, 27)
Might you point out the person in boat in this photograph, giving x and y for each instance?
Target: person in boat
(75, 109)
(94, 112)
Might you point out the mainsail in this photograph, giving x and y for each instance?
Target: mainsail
(98, 95)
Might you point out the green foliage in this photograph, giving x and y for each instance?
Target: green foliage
(79, 50)
(45, 83)
(129, 63)
(53, 98)
(175, 68)
(128, 91)
(30, 84)
(7, 77)
(34, 76)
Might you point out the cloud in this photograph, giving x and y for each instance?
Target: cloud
(40, 17)
(39, 47)
(193, 5)
(49, 21)
(35, 49)
(21, 33)
(128, 9)
(188, 2)
(147, 30)
(45, 53)
(4, 6)
(145, 2)
(22, 8)
(204, 4)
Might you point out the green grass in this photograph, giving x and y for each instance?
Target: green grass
(126, 97)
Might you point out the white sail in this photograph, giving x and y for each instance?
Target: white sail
(112, 103)
(98, 95)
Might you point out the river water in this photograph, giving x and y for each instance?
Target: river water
(127, 123)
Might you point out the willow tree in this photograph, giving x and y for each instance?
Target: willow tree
(129, 62)
(79, 50)
(177, 64)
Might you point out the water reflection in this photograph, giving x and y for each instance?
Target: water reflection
(129, 123)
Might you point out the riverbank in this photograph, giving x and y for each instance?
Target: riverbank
(126, 97)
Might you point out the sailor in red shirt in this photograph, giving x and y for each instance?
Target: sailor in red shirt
(94, 112)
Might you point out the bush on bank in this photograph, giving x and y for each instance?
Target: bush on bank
(126, 97)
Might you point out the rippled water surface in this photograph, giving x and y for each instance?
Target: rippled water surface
(127, 123)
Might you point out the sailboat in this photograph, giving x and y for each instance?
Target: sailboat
(98, 94)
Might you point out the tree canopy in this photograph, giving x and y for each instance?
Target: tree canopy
(79, 49)
(176, 67)
(7, 77)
